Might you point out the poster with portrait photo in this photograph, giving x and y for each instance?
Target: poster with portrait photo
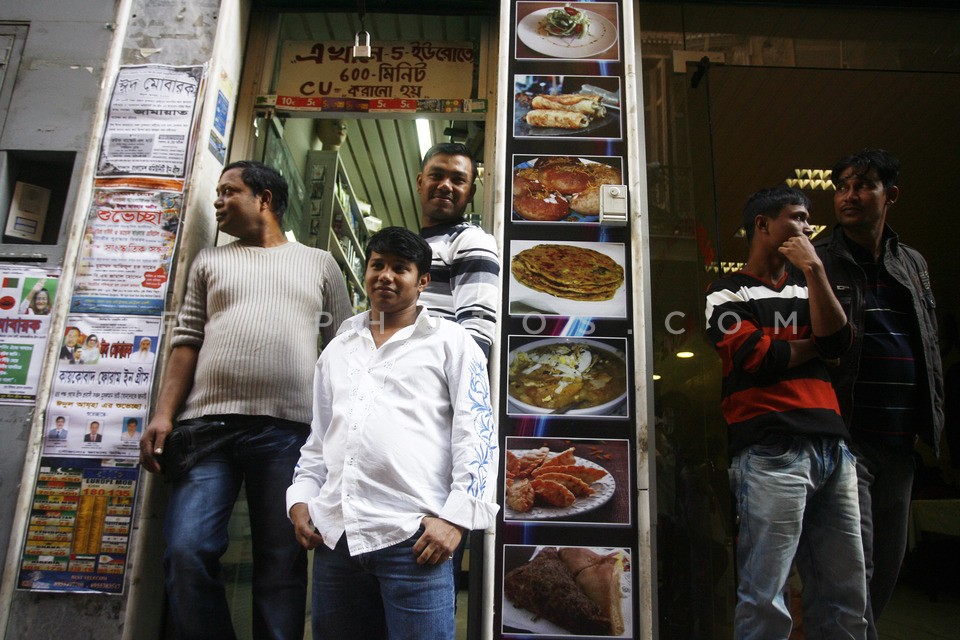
(99, 387)
(583, 279)
(567, 31)
(557, 188)
(26, 300)
(567, 591)
(561, 107)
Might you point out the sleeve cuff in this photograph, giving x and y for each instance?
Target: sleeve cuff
(466, 511)
(300, 492)
(836, 344)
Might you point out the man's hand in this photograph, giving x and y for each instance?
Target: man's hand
(151, 443)
(303, 527)
(801, 254)
(438, 542)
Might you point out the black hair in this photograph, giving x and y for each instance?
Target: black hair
(883, 162)
(450, 149)
(403, 243)
(259, 177)
(769, 202)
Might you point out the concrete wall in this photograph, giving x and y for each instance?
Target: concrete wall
(52, 108)
(55, 106)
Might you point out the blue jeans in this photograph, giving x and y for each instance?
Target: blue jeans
(797, 501)
(885, 475)
(381, 594)
(263, 456)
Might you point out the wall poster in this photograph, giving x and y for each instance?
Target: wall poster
(26, 299)
(150, 127)
(567, 535)
(78, 532)
(100, 395)
(127, 251)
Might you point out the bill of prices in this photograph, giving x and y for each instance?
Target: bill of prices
(78, 534)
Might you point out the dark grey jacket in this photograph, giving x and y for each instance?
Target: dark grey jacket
(848, 280)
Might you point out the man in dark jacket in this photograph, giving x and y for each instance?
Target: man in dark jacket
(890, 383)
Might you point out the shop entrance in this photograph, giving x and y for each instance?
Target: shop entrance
(350, 173)
(748, 128)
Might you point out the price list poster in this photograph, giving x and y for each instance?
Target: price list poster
(567, 536)
(78, 532)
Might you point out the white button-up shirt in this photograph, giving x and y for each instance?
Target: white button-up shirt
(399, 433)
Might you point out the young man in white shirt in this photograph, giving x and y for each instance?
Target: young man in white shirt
(401, 460)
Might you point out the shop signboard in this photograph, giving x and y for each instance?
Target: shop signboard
(316, 76)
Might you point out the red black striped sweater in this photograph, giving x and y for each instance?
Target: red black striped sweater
(750, 322)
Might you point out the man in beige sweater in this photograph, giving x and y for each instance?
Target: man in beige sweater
(239, 380)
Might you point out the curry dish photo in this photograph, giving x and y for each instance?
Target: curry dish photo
(563, 375)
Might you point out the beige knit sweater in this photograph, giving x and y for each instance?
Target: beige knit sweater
(255, 314)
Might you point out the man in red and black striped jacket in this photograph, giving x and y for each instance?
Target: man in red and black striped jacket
(794, 479)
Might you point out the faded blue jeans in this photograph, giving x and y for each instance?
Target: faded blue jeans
(797, 501)
(263, 455)
(381, 594)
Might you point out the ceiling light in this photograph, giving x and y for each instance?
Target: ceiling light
(424, 135)
(811, 179)
(684, 354)
(656, 377)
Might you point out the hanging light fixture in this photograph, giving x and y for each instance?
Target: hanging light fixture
(361, 51)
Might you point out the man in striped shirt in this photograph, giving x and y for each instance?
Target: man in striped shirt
(793, 477)
(465, 272)
(890, 383)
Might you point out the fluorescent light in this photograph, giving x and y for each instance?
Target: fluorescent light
(424, 135)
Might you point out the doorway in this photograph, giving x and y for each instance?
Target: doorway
(737, 130)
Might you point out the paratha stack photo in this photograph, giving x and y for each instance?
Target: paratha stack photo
(568, 271)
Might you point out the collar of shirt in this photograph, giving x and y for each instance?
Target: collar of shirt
(360, 325)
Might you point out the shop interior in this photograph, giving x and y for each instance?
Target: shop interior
(795, 95)
(800, 89)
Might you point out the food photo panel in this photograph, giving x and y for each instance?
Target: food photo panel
(552, 188)
(567, 31)
(567, 481)
(572, 377)
(583, 279)
(560, 591)
(558, 107)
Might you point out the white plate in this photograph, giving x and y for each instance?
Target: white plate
(516, 406)
(547, 304)
(603, 488)
(522, 129)
(601, 35)
(574, 216)
(518, 618)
